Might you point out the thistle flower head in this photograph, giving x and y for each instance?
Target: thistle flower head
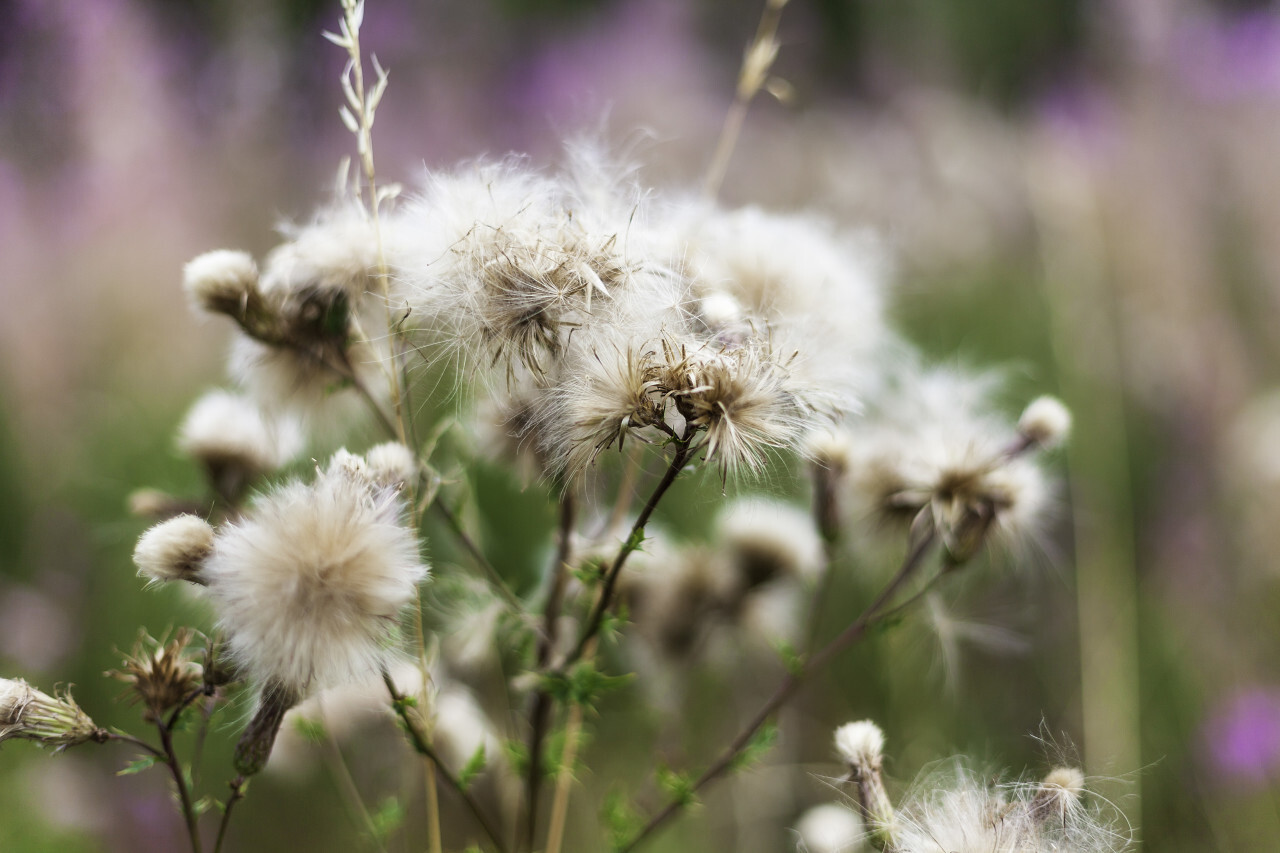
(309, 584)
(607, 394)
(392, 464)
(221, 282)
(176, 549)
(236, 441)
(767, 539)
(741, 396)
(937, 447)
(28, 714)
(161, 673)
(860, 745)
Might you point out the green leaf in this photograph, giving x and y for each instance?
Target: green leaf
(634, 541)
(582, 685)
(517, 756)
(202, 805)
(791, 658)
(677, 786)
(761, 742)
(146, 762)
(474, 767)
(621, 819)
(387, 819)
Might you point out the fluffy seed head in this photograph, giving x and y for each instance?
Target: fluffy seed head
(768, 539)
(309, 584)
(221, 282)
(28, 714)
(176, 549)
(236, 441)
(1046, 422)
(860, 744)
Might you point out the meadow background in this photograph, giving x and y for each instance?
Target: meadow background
(1086, 193)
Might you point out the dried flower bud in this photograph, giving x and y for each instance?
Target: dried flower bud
(175, 549)
(1045, 422)
(161, 674)
(28, 714)
(861, 745)
(221, 282)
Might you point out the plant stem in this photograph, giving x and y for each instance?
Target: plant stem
(564, 777)
(347, 787)
(413, 725)
(684, 450)
(133, 741)
(918, 550)
(540, 717)
(184, 796)
(238, 786)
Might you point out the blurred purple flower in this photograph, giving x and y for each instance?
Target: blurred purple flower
(1243, 735)
(1226, 58)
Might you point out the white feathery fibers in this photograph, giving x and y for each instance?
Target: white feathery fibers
(310, 583)
(959, 812)
(860, 744)
(175, 549)
(937, 441)
(337, 251)
(227, 428)
(829, 828)
(768, 539)
(817, 291)
(220, 281)
(288, 383)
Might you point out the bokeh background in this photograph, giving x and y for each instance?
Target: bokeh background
(1087, 193)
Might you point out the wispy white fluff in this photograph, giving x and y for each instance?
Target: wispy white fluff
(309, 584)
(959, 811)
(829, 828)
(937, 441)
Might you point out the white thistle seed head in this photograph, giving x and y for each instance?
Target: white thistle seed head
(860, 744)
(310, 583)
(176, 549)
(392, 464)
(768, 539)
(236, 441)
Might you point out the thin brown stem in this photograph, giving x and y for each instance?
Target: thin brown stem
(685, 449)
(133, 741)
(922, 542)
(184, 795)
(417, 735)
(238, 787)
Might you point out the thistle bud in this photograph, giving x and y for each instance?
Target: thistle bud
(259, 736)
(174, 550)
(861, 745)
(28, 714)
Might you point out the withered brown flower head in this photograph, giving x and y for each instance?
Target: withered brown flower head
(161, 672)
